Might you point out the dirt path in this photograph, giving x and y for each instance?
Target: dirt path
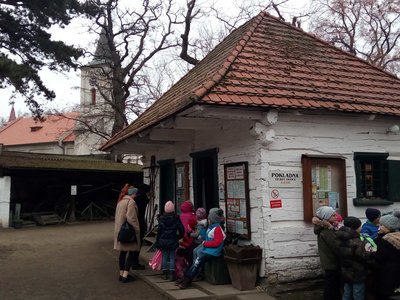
(64, 262)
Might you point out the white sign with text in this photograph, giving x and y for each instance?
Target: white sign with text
(279, 178)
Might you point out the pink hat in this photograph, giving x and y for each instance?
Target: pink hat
(339, 218)
(169, 207)
(201, 214)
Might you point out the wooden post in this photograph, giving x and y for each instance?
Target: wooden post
(72, 209)
(74, 190)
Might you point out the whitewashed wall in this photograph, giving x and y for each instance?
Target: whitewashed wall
(49, 148)
(289, 244)
(5, 191)
(290, 247)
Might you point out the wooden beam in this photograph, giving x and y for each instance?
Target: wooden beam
(137, 145)
(230, 113)
(176, 135)
(197, 123)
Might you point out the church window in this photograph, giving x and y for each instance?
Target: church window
(93, 96)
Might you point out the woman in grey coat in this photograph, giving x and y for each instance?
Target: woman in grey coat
(126, 211)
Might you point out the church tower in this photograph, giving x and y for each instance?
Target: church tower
(12, 116)
(96, 115)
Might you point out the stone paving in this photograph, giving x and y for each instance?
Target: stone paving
(198, 290)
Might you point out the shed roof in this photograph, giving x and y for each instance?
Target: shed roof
(267, 63)
(24, 131)
(24, 160)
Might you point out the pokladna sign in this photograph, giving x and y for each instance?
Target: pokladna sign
(278, 178)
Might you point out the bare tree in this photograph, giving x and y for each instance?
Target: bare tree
(132, 37)
(133, 72)
(368, 28)
(2, 122)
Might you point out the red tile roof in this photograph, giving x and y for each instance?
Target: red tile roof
(23, 131)
(268, 63)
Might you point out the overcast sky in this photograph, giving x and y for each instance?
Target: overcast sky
(66, 86)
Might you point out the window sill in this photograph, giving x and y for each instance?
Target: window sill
(371, 202)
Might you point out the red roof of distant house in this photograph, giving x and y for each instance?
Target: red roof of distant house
(268, 63)
(24, 131)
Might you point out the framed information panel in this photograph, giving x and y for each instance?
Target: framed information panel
(181, 184)
(237, 199)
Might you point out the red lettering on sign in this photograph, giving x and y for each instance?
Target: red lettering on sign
(275, 203)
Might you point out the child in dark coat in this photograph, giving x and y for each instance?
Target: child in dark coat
(354, 258)
(170, 231)
(388, 256)
(328, 245)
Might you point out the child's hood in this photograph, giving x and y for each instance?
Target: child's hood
(320, 225)
(202, 223)
(187, 207)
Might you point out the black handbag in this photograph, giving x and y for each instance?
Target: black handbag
(127, 233)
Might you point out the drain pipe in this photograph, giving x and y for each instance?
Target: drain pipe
(60, 144)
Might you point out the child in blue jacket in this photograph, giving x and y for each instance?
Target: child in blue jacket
(212, 246)
(371, 227)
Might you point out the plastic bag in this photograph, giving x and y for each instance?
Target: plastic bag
(156, 261)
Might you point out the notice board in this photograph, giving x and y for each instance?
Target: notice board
(181, 184)
(237, 199)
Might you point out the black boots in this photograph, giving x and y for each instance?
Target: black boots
(172, 276)
(185, 283)
(126, 279)
(165, 274)
(169, 275)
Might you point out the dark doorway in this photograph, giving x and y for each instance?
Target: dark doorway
(205, 179)
(167, 180)
(50, 191)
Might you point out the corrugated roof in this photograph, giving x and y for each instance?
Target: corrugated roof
(23, 131)
(268, 63)
(24, 160)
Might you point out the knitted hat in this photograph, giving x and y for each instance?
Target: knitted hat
(169, 207)
(339, 218)
(352, 222)
(216, 215)
(132, 190)
(325, 212)
(201, 214)
(372, 214)
(391, 221)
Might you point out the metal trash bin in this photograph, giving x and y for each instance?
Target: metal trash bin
(243, 264)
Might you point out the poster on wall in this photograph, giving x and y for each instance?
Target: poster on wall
(237, 200)
(181, 183)
(324, 190)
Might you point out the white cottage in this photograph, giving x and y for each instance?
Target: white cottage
(270, 125)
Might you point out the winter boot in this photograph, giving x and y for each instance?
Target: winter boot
(165, 274)
(178, 281)
(172, 276)
(185, 283)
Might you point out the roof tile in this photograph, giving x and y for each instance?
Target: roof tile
(30, 131)
(269, 63)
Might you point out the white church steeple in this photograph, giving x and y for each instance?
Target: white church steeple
(96, 114)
